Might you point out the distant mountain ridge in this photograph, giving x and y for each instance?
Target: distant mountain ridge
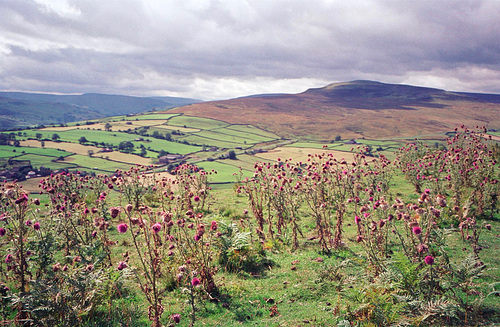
(356, 109)
(52, 108)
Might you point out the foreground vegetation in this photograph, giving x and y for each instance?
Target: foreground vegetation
(324, 242)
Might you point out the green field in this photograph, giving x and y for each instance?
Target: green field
(224, 137)
(210, 142)
(45, 161)
(97, 163)
(9, 152)
(225, 173)
(6, 149)
(250, 129)
(171, 147)
(245, 161)
(151, 117)
(196, 122)
(246, 135)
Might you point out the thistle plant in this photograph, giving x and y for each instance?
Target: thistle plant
(16, 229)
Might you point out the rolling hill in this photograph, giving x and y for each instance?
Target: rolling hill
(52, 108)
(354, 110)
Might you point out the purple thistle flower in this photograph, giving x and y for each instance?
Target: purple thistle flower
(176, 318)
(357, 220)
(122, 228)
(429, 260)
(114, 212)
(156, 227)
(417, 230)
(195, 282)
(28, 223)
(36, 226)
(122, 265)
(8, 258)
(196, 198)
(3, 231)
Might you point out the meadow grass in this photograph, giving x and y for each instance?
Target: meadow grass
(6, 149)
(250, 129)
(97, 163)
(245, 135)
(226, 173)
(195, 139)
(220, 135)
(36, 160)
(9, 152)
(196, 122)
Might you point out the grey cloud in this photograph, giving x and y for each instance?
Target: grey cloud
(152, 46)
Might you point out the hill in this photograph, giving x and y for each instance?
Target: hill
(356, 109)
(68, 108)
(23, 113)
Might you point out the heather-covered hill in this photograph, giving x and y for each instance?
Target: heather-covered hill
(356, 109)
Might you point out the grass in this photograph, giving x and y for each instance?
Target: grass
(298, 289)
(97, 163)
(171, 147)
(196, 122)
(245, 161)
(226, 137)
(245, 134)
(9, 152)
(194, 139)
(37, 160)
(250, 129)
(45, 161)
(226, 173)
(5, 150)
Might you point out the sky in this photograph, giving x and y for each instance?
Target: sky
(221, 49)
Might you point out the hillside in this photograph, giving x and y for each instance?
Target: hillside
(356, 109)
(52, 108)
(23, 113)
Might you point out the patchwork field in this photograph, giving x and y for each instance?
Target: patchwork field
(192, 137)
(84, 150)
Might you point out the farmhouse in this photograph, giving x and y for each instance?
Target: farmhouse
(351, 141)
(170, 158)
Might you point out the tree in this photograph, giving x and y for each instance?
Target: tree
(82, 140)
(55, 137)
(157, 135)
(38, 135)
(107, 127)
(338, 138)
(126, 146)
(231, 155)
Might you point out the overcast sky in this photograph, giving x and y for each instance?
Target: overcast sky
(219, 49)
